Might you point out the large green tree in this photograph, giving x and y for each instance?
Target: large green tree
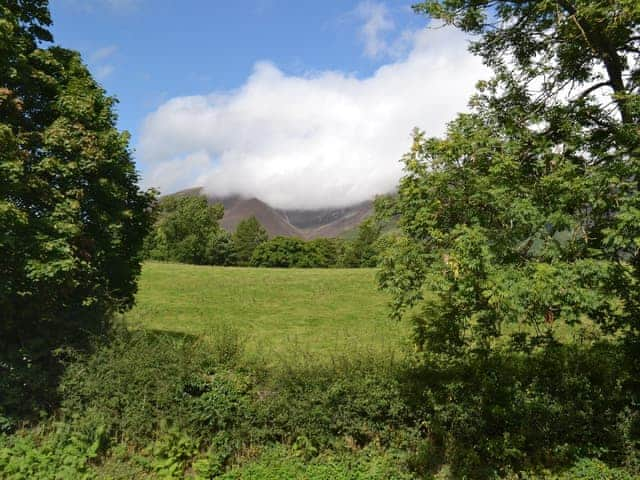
(188, 231)
(72, 214)
(526, 216)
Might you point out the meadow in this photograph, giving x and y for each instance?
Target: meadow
(279, 312)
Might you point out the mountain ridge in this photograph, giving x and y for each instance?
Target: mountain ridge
(303, 223)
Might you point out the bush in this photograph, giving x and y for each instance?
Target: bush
(353, 400)
(491, 415)
(64, 453)
(279, 463)
(167, 404)
(138, 383)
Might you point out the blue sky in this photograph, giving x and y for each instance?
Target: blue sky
(184, 66)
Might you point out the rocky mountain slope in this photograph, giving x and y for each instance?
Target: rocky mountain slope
(308, 224)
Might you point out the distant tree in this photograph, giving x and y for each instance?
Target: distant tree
(188, 231)
(322, 252)
(362, 251)
(248, 235)
(280, 252)
(294, 252)
(221, 249)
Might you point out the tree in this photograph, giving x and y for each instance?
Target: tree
(322, 252)
(249, 234)
(72, 216)
(280, 252)
(188, 231)
(525, 216)
(586, 45)
(362, 251)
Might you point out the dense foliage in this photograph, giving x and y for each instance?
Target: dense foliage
(518, 259)
(248, 235)
(72, 216)
(188, 231)
(152, 405)
(519, 253)
(523, 220)
(364, 249)
(285, 252)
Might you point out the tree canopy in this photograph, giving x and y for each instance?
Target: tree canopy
(575, 46)
(248, 235)
(188, 231)
(525, 216)
(72, 216)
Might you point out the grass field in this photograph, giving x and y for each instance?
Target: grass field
(279, 311)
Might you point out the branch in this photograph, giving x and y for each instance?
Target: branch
(593, 88)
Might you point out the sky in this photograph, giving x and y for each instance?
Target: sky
(303, 104)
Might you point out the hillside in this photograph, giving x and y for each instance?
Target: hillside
(308, 224)
(237, 209)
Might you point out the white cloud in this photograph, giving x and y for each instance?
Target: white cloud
(103, 71)
(181, 170)
(327, 139)
(103, 53)
(377, 21)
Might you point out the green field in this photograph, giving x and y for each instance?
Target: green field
(279, 311)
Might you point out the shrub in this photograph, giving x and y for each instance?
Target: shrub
(138, 382)
(64, 453)
(357, 400)
(167, 404)
(279, 463)
(510, 411)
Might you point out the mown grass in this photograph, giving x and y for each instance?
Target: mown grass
(281, 312)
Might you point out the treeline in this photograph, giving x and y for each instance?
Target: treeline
(187, 230)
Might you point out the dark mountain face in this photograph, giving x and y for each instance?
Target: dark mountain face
(274, 222)
(320, 223)
(312, 219)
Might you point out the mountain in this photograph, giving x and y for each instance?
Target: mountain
(308, 224)
(237, 209)
(326, 223)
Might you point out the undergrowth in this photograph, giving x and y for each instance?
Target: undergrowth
(158, 405)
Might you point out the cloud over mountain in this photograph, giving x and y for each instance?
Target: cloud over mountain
(322, 140)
